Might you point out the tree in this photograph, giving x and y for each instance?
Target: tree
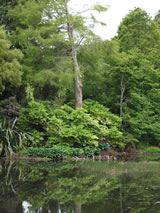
(139, 38)
(137, 30)
(50, 26)
(72, 27)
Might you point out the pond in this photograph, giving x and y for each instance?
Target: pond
(80, 187)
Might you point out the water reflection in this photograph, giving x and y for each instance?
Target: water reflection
(78, 188)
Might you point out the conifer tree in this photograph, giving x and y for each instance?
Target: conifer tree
(50, 33)
(137, 30)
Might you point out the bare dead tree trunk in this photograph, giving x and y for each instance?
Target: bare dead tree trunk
(123, 88)
(76, 69)
(77, 208)
(77, 80)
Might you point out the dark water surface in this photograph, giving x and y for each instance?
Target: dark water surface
(84, 187)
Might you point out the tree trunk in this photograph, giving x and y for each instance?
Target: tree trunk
(77, 208)
(77, 80)
(123, 88)
(76, 69)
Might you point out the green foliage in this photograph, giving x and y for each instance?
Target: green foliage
(11, 137)
(104, 146)
(10, 68)
(54, 152)
(139, 106)
(29, 93)
(127, 82)
(38, 137)
(34, 116)
(46, 43)
(4, 19)
(137, 30)
(152, 149)
(58, 152)
(101, 62)
(79, 129)
(100, 8)
(90, 151)
(65, 126)
(46, 64)
(106, 120)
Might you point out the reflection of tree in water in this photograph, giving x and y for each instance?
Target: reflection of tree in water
(66, 188)
(138, 193)
(60, 189)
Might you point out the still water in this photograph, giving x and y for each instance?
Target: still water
(83, 187)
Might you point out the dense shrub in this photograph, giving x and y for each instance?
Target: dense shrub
(64, 126)
(107, 119)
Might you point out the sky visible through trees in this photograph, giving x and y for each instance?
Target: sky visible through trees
(117, 10)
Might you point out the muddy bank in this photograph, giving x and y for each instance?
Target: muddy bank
(109, 155)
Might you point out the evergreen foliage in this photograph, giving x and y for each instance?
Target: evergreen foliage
(10, 67)
(137, 30)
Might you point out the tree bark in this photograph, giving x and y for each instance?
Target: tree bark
(77, 208)
(77, 80)
(123, 88)
(76, 69)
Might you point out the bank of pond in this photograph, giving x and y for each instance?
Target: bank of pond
(79, 187)
(101, 153)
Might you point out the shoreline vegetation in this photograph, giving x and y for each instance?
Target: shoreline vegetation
(151, 153)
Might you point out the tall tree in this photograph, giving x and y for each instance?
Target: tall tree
(76, 68)
(51, 25)
(137, 30)
(139, 38)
